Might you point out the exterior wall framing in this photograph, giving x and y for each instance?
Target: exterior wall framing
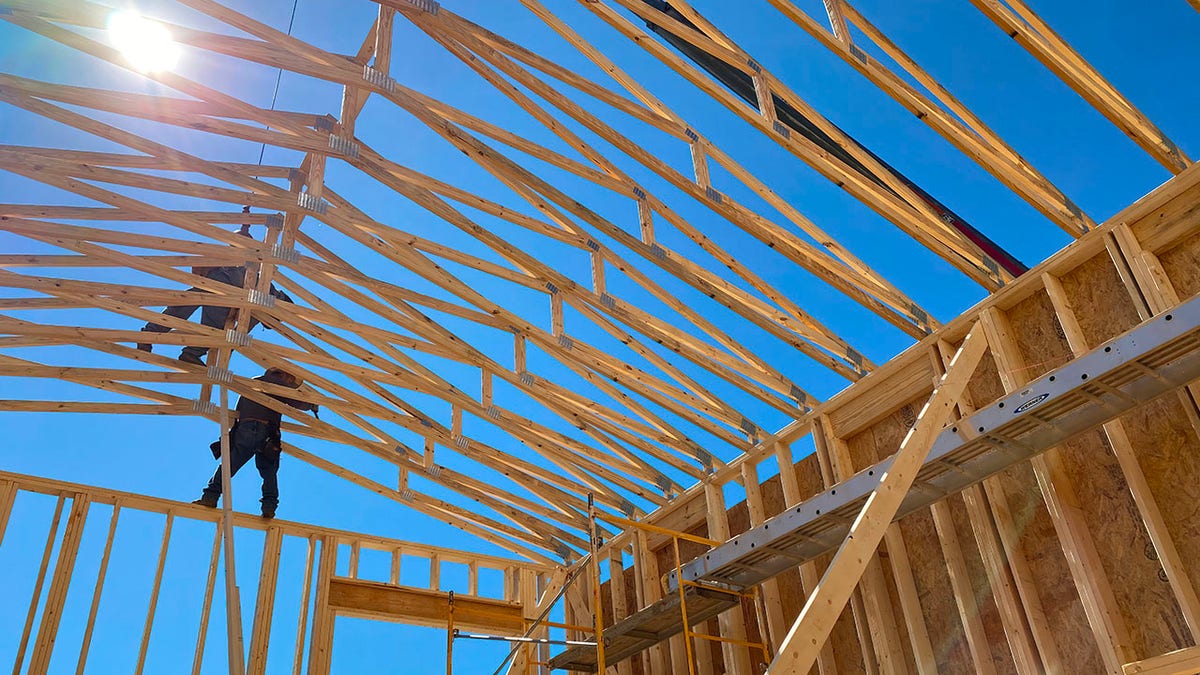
(1018, 574)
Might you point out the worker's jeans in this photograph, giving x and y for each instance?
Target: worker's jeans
(213, 317)
(251, 438)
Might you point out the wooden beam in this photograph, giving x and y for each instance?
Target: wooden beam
(51, 535)
(1181, 662)
(97, 590)
(998, 576)
(649, 591)
(64, 568)
(732, 623)
(206, 605)
(154, 589)
(955, 122)
(910, 601)
(808, 571)
(1006, 568)
(774, 630)
(98, 495)
(305, 594)
(1035, 35)
(320, 649)
(964, 593)
(620, 609)
(264, 603)
(423, 607)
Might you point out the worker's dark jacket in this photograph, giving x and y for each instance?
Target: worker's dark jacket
(249, 409)
(234, 276)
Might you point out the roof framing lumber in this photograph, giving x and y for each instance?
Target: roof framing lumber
(615, 277)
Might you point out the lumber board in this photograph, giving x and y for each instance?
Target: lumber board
(423, 607)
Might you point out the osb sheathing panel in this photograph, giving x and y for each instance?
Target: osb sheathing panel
(687, 551)
(896, 616)
(791, 592)
(1101, 301)
(1138, 582)
(985, 600)
(984, 386)
(739, 522)
(631, 606)
(935, 593)
(1105, 309)
(883, 438)
(930, 576)
(1039, 339)
(843, 640)
(1182, 265)
(874, 396)
(902, 628)
(1038, 336)
(1169, 454)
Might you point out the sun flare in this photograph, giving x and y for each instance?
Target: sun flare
(147, 45)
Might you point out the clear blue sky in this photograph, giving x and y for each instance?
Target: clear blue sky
(1145, 49)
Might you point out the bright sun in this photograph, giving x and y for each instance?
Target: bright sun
(145, 44)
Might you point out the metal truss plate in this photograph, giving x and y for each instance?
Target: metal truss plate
(257, 297)
(285, 253)
(425, 5)
(306, 201)
(379, 79)
(234, 337)
(343, 146)
(203, 407)
(219, 375)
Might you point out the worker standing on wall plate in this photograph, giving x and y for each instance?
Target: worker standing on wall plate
(212, 316)
(256, 434)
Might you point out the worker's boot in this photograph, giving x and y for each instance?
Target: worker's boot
(146, 346)
(206, 499)
(189, 357)
(268, 506)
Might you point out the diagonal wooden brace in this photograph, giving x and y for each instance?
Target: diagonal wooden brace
(800, 648)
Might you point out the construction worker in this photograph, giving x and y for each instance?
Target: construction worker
(256, 434)
(211, 316)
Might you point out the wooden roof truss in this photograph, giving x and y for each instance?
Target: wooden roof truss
(364, 344)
